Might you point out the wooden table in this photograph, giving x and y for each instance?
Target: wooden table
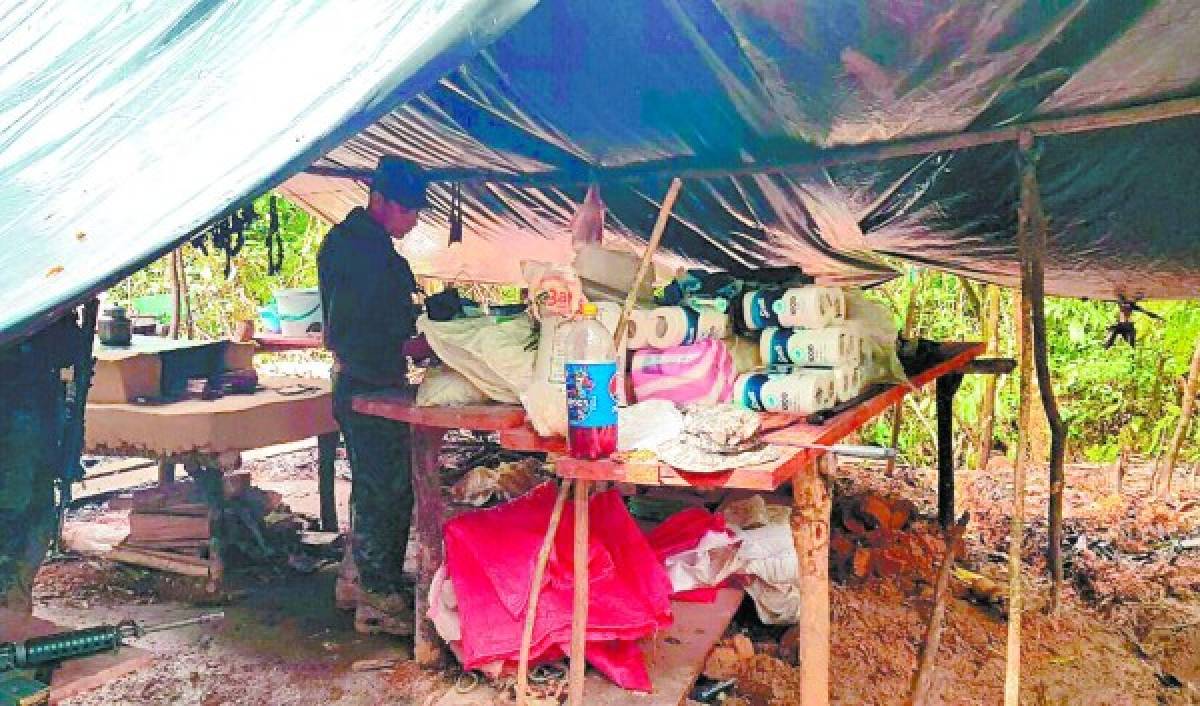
(209, 436)
(809, 470)
(277, 342)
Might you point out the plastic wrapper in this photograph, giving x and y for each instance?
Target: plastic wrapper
(492, 355)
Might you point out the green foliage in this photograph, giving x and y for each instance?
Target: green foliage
(1108, 397)
(219, 302)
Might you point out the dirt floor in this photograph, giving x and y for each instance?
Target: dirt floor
(1128, 632)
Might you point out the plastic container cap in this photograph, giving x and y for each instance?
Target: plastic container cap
(589, 310)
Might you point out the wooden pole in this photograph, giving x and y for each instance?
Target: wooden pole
(1035, 292)
(535, 593)
(176, 295)
(1185, 418)
(1012, 666)
(911, 314)
(923, 679)
(987, 405)
(579, 608)
(188, 323)
(828, 157)
(811, 507)
(660, 227)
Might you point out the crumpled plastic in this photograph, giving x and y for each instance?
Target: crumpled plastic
(490, 558)
(491, 354)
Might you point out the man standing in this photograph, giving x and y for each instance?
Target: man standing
(32, 453)
(367, 300)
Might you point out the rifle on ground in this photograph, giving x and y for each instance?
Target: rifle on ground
(26, 666)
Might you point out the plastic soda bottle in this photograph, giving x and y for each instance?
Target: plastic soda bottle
(591, 368)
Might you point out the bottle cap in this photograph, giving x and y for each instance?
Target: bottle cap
(589, 310)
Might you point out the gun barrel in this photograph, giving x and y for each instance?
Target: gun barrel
(198, 620)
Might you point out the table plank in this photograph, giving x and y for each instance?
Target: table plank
(784, 430)
(278, 343)
(400, 407)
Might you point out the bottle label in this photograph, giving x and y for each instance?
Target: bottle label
(591, 394)
(778, 346)
(760, 309)
(752, 392)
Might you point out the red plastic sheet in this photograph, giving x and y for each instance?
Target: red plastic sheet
(490, 556)
(682, 532)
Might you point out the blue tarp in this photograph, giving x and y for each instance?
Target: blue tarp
(125, 125)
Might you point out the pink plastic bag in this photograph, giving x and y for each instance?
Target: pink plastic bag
(490, 556)
(587, 225)
(702, 372)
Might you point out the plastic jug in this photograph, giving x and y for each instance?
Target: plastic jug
(591, 371)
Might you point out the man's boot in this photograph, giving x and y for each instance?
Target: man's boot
(346, 591)
(390, 613)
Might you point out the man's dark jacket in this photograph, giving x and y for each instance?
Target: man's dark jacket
(366, 300)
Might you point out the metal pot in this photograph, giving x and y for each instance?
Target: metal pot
(115, 328)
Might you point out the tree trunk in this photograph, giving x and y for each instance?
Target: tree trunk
(176, 295)
(1185, 418)
(987, 406)
(1034, 288)
(911, 316)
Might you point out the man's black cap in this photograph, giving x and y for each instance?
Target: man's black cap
(400, 181)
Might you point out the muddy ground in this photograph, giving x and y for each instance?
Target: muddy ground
(1128, 632)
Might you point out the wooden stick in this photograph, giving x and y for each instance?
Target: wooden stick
(176, 295)
(579, 606)
(535, 593)
(811, 507)
(1035, 253)
(1012, 666)
(987, 406)
(911, 314)
(660, 227)
(923, 679)
(828, 157)
(1185, 417)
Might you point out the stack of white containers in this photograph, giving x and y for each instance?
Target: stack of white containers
(813, 359)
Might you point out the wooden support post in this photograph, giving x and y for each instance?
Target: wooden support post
(947, 387)
(535, 593)
(176, 295)
(1185, 418)
(812, 505)
(429, 511)
(1012, 665)
(327, 445)
(1034, 289)
(579, 606)
(987, 405)
(911, 315)
(923, 679)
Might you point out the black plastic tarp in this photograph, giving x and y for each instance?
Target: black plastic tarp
(588, 90)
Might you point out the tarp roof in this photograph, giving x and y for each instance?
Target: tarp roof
(603, 88)
(125, 127)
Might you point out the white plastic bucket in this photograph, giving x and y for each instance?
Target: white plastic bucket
(299, 311)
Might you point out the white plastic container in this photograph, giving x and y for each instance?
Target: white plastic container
(792, 393)
(299, 311)
(826, 347)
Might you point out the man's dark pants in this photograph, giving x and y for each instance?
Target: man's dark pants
(30, 428)
(381, 497)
